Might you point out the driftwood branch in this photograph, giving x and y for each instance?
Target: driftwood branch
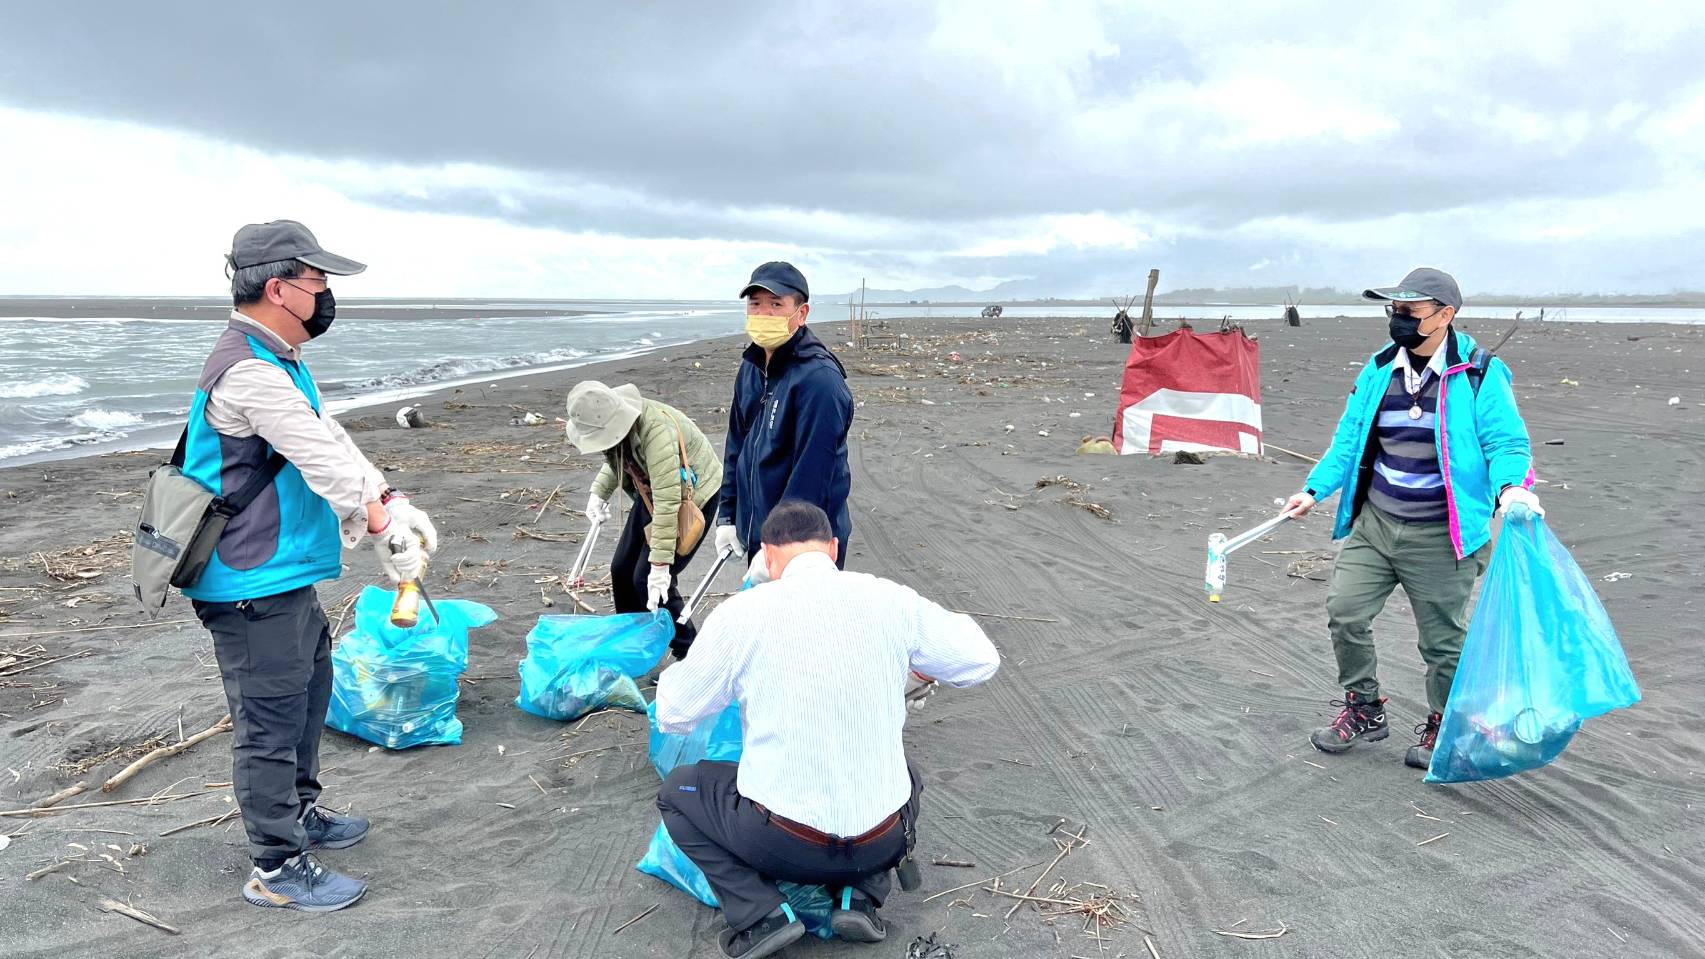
(62, 795)
(113, 905)
(145, 801)
(124, 776)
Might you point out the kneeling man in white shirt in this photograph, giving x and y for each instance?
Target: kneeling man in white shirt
(818, 660)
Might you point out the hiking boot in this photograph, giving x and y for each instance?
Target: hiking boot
(772, 934)
(1362, 720)
(304, 885)
(856, 920)
(330, 831)
(1420, 755)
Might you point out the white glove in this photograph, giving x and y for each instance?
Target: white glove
(1518, 503)
(728, 539)
(657, 586)
(918, 690)
(597, 509)
(409, 528)
(759, 571)
(1297, 506)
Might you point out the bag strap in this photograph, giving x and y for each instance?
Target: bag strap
(1478, 361)
(178, 451)
(688, 476)
(262, 478)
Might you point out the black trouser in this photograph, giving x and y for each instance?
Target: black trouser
(743, 853)
(631, 566)
(274, 657)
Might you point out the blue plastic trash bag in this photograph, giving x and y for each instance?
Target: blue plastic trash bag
(577, 664)
(666, 861)
(398, 687)
(718, 740)
(1540, 658)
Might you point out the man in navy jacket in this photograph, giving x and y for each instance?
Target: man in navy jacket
(787, 427)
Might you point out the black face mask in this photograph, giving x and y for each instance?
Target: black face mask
(1406, 331)
(325, 310)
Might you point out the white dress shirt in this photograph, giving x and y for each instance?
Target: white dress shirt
(818, 661)
(255, 397)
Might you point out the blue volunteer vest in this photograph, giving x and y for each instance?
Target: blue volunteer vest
(288, 537)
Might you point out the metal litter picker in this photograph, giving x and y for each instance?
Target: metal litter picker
(1219, 548)
(577, 575)
(698, 596)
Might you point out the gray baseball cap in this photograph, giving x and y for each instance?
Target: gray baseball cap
(258, 243)
(1423, 283)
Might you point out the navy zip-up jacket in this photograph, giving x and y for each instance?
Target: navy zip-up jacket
(787, 437)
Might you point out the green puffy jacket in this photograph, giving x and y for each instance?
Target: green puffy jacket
(652, 443)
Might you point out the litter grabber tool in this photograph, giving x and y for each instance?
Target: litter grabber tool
(692, 602)
(576, 576)
(1219, 548)
(405, 612)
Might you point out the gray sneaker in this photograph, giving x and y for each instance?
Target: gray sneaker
(304, 885)
(330, 831)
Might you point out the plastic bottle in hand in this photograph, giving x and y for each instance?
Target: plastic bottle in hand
(405, 612)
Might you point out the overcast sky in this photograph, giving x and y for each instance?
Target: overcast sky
(658, 149)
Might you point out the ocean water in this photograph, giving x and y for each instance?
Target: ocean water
(73, 386)
(78, 385)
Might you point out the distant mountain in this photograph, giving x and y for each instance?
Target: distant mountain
(1029, 291)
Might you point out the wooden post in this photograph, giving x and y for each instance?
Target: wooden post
(861, 317)
(1148, 302)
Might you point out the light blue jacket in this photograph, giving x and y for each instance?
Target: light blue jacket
(1482, 443)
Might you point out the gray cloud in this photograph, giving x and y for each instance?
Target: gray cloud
(704, 111)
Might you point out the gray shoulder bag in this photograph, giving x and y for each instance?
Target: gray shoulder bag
(181, 524)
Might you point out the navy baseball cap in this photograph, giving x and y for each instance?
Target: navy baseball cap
(258, 243)
(1424, 283)
(782, 279)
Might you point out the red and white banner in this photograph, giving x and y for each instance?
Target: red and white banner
(1190, 391)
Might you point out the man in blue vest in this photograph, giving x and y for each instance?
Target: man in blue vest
(788, 424)
(255, 398)
(1430, 444)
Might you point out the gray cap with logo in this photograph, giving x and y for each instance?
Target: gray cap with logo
(1424, 283)
(258, 243)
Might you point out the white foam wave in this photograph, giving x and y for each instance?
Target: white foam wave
(453, 369)
(53, 384)
(105, 420)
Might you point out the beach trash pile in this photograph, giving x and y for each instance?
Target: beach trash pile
(398, 687)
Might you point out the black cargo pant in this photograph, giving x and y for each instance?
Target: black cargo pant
(742, 853)
(631, 566)
(274, 657)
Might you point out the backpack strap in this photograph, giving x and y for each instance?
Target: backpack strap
(1478, 361)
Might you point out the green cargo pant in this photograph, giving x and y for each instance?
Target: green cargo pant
(1381, 554)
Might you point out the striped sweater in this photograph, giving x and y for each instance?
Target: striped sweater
(1407, 481)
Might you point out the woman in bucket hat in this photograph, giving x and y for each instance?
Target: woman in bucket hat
(661, 459)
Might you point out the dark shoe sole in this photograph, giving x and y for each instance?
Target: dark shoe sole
(769, 945)
(1372, 736)
(266, 900)
(855, 926)
(338, 844)
(1416, 759)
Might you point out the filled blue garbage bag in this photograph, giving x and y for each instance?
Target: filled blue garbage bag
(578, 664)
(717, 740)
(398, 687)
(666, 861)
(1540, 658)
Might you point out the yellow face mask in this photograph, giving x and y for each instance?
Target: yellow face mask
(769, 332)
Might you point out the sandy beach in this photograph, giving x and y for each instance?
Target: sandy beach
(1173, 731)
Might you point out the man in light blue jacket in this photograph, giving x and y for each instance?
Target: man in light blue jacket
(1429, 446)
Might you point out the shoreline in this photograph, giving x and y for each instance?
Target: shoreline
(164, 435)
